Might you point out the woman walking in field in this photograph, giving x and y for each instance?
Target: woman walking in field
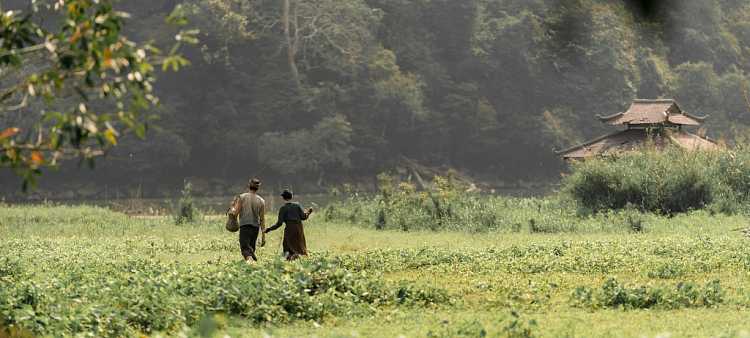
(292, 214)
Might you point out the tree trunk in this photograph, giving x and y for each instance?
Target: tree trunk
(288, 18)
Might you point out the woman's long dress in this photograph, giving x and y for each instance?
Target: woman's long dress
(294, 244)
(294, 240)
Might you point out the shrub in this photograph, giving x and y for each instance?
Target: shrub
(185, 211)
(519, 327)
(9, 267)
(667, 271)
(613, 294)
(666, 182)
(466, 328)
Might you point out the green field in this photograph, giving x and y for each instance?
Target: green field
(84, 270)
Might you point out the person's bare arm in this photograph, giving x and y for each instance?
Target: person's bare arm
(236, 208)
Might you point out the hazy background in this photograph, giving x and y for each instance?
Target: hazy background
(486, 87)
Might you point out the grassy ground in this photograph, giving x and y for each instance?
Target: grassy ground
(498, 284)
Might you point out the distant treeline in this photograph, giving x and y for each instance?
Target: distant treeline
(327, 91)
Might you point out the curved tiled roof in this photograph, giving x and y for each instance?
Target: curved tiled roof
(648, 112)
(632, 139)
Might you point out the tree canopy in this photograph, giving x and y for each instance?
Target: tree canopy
(89, 80)
(348, 88)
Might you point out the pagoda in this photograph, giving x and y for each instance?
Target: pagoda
(656, 122)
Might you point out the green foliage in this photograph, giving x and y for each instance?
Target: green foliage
(467, 329)
(140, 295)
(391, 85)
(666, 271)
(589, 257)
(449, 206)
(696, 86)
(519, 327)
(186, 211)
(666, 182)
(82, 218)
(84, 52)
(326, 148)
(100, 294)
(90, 271)
(613, 294)
(487, 86)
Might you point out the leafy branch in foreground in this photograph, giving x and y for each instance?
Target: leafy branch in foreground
(92, 80)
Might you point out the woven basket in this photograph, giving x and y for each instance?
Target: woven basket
(233, 225)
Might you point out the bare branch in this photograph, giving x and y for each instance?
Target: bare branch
(295, 23)
(25, 50)
(335, 45)
(23, 104)
(267, 27)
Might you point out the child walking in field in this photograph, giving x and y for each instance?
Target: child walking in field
(291, 213)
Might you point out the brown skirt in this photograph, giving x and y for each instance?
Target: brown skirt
(294, 240)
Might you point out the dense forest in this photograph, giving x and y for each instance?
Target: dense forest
(334, 91)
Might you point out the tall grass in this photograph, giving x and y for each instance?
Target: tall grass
(665, 182)
(626, 193)
(449, 206)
